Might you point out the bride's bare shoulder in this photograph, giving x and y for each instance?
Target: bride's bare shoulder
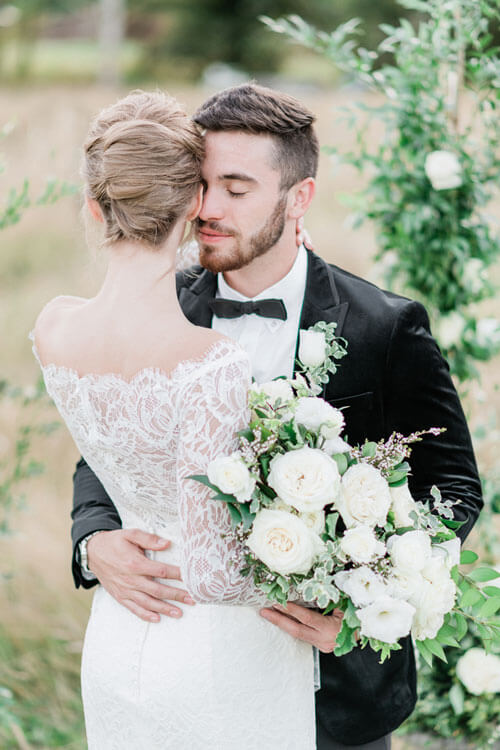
(51, 321)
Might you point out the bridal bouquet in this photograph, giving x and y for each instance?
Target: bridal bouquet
(336, 526)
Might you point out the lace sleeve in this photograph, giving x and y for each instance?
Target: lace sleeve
(213, 410)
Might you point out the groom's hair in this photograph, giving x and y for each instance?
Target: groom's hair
(258, 110)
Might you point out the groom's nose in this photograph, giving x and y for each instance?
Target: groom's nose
(212, 207)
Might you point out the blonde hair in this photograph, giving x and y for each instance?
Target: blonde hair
(142, 160)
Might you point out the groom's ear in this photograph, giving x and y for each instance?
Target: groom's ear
(300, 197)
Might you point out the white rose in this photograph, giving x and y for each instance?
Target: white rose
(365, 498)
(405, 585)
(450, 329)
(402, 504)
(312, 348)
(410, 551)
(362, 585)
(361, 545)
(232, 477)
(479, 672)
(443, 170)
(317, 415)
(426, 624)
(449, 550)
(441, 594)
(314, 520)
(488, 332)
(387, 619)
(283, 542)
(307, 479)
(335, 445)
(274, 390)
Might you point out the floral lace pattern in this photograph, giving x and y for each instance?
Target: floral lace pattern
(221, 677)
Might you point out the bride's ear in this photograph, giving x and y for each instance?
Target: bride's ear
(94, 208)
(196, 206)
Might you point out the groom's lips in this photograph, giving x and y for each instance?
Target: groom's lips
(209, 236)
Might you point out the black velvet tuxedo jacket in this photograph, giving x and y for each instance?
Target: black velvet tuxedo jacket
(393, 378)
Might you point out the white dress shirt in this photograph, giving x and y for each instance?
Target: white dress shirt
(270, 343)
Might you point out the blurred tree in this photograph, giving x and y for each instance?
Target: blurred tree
(201, 32)
(112, 19)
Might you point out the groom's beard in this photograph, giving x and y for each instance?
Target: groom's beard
(242, 252)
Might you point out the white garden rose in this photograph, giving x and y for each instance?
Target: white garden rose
(283, 542)
(314, 520)
(426, 624)
(387, 619)
(442, 592)
(312, 348)
(402, 504)
(274, 390)
(361, 584)
(443, 170)
(335, 445)
(306, 478)
(404, 585)
(365, 498)
(410, 551)
(231, 476)
(449, 551)
(450, 329)
(318, 416)
(361, 545)
(479, 672)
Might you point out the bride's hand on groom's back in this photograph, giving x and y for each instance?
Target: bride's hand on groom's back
(118, 560)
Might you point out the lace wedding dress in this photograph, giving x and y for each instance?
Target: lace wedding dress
(220, 677)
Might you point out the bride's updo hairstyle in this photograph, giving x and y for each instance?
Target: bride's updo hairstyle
(141, 164)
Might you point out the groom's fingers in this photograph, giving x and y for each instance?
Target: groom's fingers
(306, 624)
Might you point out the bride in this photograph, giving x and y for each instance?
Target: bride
(150, 399)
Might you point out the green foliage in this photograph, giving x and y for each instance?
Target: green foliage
(40, 704)
(440, 92)
(446, 709)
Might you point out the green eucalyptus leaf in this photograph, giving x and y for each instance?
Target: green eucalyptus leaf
(467, 557)
(481, 575)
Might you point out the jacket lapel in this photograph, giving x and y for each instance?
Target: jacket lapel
(321, 298)
(194, 299)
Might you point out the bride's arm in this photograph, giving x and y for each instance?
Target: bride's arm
(213, 410)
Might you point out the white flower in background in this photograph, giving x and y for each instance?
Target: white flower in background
(361, 584)
(404, 585)
(312, 348)
(307, 479)
(361, 545)
(283, 542)
(475, 275)
(274, 390)
(402, 504)
(479, 672)
(426, 624)
(317, 415)
(449, 551)
(335, 445)
(387, 619)
(488, 332)
(450, 329)
(410, 551)
(365, 498)
(231, 476)
(443, 170)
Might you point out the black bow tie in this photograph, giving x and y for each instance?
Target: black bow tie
(230, 308)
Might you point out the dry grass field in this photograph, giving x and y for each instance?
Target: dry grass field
(45, 255)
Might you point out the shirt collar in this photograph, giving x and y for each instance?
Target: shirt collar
(290, 288)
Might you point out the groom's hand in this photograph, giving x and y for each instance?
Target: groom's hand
(306, 624)
(117, 558)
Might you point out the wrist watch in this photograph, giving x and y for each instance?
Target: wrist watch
(82, 552)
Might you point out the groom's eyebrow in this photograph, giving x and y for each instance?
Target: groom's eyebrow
(239, 176)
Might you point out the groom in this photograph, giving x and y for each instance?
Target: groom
(258, 172)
